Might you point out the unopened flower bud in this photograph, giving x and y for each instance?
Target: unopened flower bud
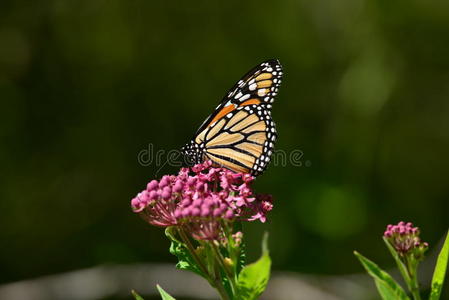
(177, 188)
(405, 240)
(228, 262)
(153, 184)
(164, 181)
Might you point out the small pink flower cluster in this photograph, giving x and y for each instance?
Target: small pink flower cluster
(200, 199)
(405, 238)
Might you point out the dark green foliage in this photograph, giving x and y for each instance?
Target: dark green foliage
(388, 288)
(179, 249)
(86, 85)
(253, 278)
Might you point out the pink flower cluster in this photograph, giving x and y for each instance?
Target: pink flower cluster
(200, 199)
(405, 238)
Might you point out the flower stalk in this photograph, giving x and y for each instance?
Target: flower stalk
(202, 205)
(408, 250)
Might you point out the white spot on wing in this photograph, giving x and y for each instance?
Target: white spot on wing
(244, 97)
(252, 87)
(261, 92)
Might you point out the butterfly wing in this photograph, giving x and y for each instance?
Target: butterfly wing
(267, 75)
(240, 134)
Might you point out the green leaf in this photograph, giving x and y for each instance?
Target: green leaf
(385, 292)
(180, 250)
(164, 294)
(253, 278)
(401, 266)
(388, 288)
(136, 296)
(440, 271)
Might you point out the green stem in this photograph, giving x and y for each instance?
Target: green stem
(199, 262)
(214, 281)
(219, 285)
(412, 267)
(414, 288)
(221, 290)
(212, 261)
(229, 274)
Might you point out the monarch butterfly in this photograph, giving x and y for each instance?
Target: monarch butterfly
(240, 134)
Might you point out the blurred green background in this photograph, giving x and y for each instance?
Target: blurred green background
(86, 85)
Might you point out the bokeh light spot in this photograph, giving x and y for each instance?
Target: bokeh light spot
(333, 212)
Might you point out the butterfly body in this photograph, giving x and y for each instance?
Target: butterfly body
(240, 134)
